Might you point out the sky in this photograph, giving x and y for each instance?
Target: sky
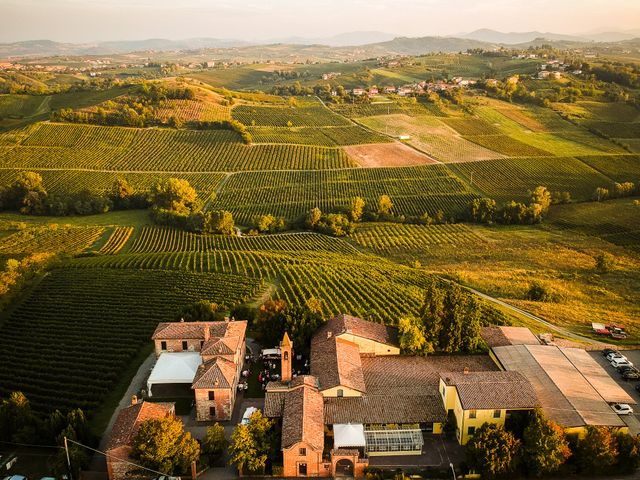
(100, 20)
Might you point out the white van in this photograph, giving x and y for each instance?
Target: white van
(619, 362)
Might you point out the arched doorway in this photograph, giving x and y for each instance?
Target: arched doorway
(344, 468)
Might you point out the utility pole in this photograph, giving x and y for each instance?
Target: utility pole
(66, 449)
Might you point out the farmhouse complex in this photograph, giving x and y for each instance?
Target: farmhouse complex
(363, 399)
(207, 357)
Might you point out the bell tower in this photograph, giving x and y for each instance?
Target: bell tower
(286, 353)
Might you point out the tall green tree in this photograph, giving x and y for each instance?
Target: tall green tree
(412, 337)
(545, 447)
(220, 221)
(384, 205)
(493, 451)
(357, 209)
(628, 460)
(163, 445)
(597, 451)
(214, 442)
(252, 444)
(175, 195)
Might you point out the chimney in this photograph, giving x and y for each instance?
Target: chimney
(207, 333)
(134, 400)
(466, 370)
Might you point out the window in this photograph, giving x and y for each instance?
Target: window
(302, 469)
(163, 345)
(340, 392)
(443, 390)
(201, 344)
(286, 355)
(184, 345)
(212, 412)
(471, 430)
(497, 413)
(302, 452)
(472, 414)
(212, 395)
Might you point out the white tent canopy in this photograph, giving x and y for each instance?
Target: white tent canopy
(179, 367)
(271, 352)
(348, 435)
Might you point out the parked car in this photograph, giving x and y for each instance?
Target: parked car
(607, 351)
(619, 362)
(613, 355)
(246, 417)
(631, 375)
(166, 477)
(622, 409)
(16, 477)
(627, 368)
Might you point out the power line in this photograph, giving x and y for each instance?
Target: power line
(108, 455)
(30, 445)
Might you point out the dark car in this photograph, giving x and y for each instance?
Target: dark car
(627, 368)
(607, 351)
(631, 375)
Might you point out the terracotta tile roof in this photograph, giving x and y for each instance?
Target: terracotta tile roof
(274, 403)
(218, 346)
(362, 328)
(494, 337)
(409, 375)
(401, 389)
(303, 417)
(336, 362)
(216, 373)
(384, 409)
(195, 330)
(492, 390)
(129, 419)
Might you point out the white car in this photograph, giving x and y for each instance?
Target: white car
(620, 362)
(246, 417)
(613, 355)
(622, 409)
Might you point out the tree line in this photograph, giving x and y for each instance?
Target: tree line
(27, 195)
(541, 447)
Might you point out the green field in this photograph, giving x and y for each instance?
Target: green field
(101, 318)
(512, 179)
(89, 147)
(414, 191)
(302, 116)
(326, 136)
(616, 221)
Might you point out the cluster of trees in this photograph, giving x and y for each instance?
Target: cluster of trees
(484, 210)
(275, 317)
(17, 273)
(627, 75)
(449, 321)
(268, 224)
(232, 125)
(20, 424)
(254, 446)
(28, 195)
(175, 203)
(163, 445)
(619, 190)
(543, 448)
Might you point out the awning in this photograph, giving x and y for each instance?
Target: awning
(348, 435)
(271, 352)
(178, 367)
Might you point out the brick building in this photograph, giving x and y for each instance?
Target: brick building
(208, 356)
(125, 428)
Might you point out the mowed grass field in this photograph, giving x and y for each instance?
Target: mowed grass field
(504, 262)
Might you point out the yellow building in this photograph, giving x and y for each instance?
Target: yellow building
(476, 398)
